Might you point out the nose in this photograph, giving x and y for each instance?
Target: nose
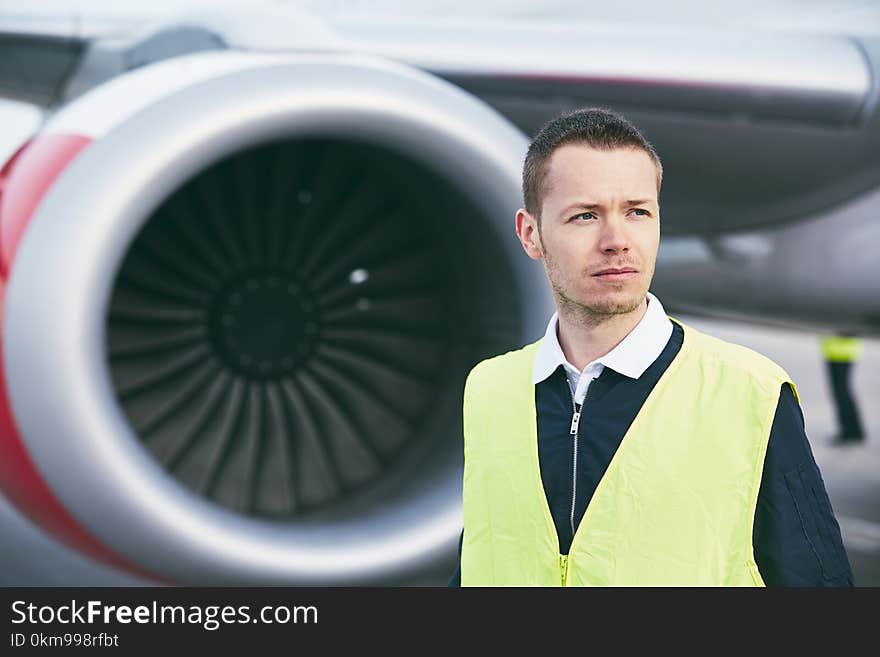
(613, 238)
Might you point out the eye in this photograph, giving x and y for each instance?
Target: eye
(641, 213)
(584, 215)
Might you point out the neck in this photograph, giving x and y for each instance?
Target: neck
(585, 336)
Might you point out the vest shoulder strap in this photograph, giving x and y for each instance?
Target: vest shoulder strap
(509, 366)
(760, 369)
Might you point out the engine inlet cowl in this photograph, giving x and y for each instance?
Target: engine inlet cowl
(251, 306)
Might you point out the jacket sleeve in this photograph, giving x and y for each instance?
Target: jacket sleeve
(796, 538)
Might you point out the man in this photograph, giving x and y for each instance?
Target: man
(840, 352)
(624, 448)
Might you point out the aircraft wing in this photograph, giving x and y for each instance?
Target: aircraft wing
(545, 66)
(720, 104)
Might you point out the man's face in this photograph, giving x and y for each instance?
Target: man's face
(600, 228)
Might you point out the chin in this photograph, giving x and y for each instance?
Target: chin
(614, 303)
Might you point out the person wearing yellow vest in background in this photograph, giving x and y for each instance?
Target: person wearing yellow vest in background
(624, 447)
(840, 352)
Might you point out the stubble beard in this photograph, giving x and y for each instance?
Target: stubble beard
(593, 313)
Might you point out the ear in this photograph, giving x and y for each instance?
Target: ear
(527, 232)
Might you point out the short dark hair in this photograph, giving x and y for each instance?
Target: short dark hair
(595, 127)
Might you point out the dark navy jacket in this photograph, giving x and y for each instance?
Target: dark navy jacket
(796, 538)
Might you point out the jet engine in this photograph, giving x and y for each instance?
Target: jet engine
(241, 296)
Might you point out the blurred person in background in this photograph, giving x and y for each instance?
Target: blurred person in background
(840, 352)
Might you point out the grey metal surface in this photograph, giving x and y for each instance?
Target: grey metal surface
(750, 74)
(784, 274)
(35, 69)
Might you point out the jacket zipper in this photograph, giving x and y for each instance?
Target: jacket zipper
(573, 431)
(575, 421)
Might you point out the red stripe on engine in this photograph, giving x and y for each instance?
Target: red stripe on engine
(24, 180)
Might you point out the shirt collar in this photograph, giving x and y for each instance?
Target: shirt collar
(631, 357)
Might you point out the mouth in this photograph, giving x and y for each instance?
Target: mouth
(616, 274)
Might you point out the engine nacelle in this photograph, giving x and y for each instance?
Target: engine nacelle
(237, 325)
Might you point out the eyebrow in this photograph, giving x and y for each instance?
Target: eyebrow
(592, 206)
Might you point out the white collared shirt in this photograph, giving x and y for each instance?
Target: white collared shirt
(631, 357)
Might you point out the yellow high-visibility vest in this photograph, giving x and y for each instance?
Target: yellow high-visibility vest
(841, 349)
(676, 504)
